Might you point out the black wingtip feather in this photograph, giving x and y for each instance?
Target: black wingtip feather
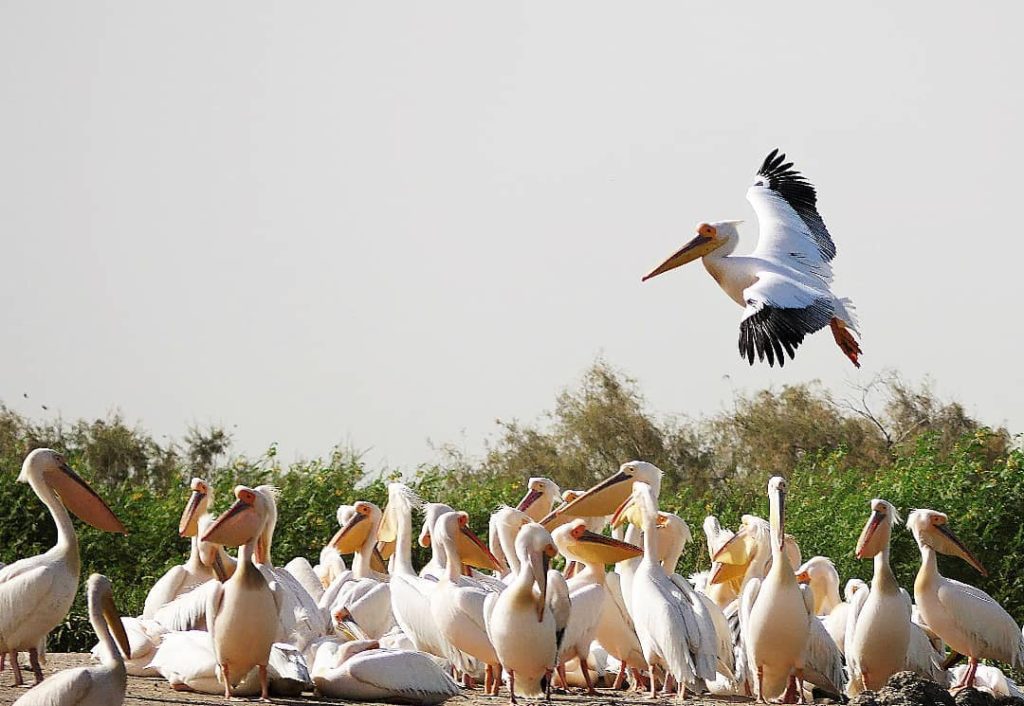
(800, 194)
(772, 330)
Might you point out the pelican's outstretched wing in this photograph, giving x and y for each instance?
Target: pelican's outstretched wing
(779, 313)
(793, 235)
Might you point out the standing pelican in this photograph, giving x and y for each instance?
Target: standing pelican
(784, 285)
(243, 613)
(776, 615)
(965, 617)
(520, 623)
(100, 685)
(878, 629)
(36, 593)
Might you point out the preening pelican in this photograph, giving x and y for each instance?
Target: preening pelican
(878, 628)
(520, 623)
(965, 617)
(502, 528)
(730, 578)
(243, 613)
(36, 593)
(784, 285)
(99, 685)
(361, 671)
(541, 496)
(666, 620)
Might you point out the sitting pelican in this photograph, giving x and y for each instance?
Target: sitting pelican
(361, 671)
(878, 629)
(541, 496)
(965, 617)
(243, 613)
(184, 577)
(776, 615)
(36, 593)
(100, 685)
(784, 285)
(520, 622)
(669, 627)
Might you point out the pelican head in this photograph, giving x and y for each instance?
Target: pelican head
(777, 502)
(612, 495)
(401, 499)
(46, 468)
(875, 535)
(101, 600)
(350, 649)
(535, 548)
(242, 522)
(819, 573)
(453, 528)
(931, 529)
(709, 238)
(198, 502)
(851, 588)
(538, 489)
(577, 543)
(352, 535)
(431, 513)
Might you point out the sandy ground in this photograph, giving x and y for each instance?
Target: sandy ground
(147, 692)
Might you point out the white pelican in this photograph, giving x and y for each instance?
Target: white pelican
(776, 615)
(605, 498)
(243, 613)
(588, 594)
(820, 575)
(878, 629)
(520, 623)
(184, 577)
(784, 285)
(361, 671)
(965, 617)
(502, 529)
(458, 608)
(670, 631)
(100, 685)
(541, 496)
(36, 593)
(727, 588)
(144, 637)
(990, 679)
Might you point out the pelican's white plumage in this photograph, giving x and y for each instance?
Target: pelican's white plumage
(98, 685)
(965, 617)
(784, 284)
(36, 593)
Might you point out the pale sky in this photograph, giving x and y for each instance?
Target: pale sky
(381, 223)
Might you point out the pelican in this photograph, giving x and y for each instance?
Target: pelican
(820, 575)
(361, 671)
(666, 621)
(541, 496)
(775, 613)
(784, 285)
(458, 608)
(588, 593)
(36, 593)
(184, 577)
(878, 629)
(502, 528)
(727, 588)
(99, 685)
(243, 613)
(520, 622)
(965, 617)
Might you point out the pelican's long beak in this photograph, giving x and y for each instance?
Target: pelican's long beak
(698, 247)
(778, 518)
(379, 562)
(113, 619)
(220, 569)
(388, 531)
(948, 543)
(188, 526)
(539, 563)
(238, 525)
(865, 547)
(529, 499)
(473, 552)
(601, 500)
(349, 538)
(608, 550)
(734, 551)
(723, 573)
(82, 500)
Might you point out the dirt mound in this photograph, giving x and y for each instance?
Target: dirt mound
(907, 689)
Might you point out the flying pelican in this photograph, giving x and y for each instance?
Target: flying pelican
(666, 621)
(458, 608)
(541, 496)
(100, 685)
(965, 617)
(784, 285)
(36, 593)
(361, 671)
(243, 613)
(520, 622)
(878, 629)
(184, 577)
